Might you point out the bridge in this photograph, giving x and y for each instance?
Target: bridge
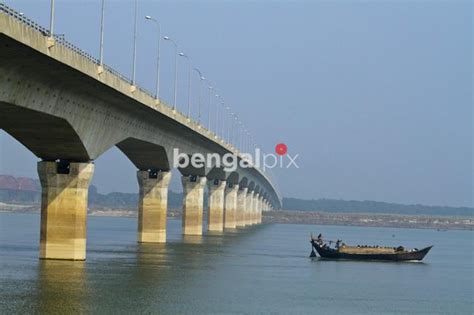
(68, 109)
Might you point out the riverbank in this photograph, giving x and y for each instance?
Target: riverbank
(370, 220)
(304, 217)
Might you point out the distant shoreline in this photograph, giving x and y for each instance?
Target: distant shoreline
(380, 220)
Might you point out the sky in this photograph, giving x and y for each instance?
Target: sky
(375, 97)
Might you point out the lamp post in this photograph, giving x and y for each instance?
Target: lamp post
(223, 121)
(209, 108)
(135, 46)
(231, 131)
(230, 124)
(245, 141)
(189, 82)
(51, 20)
(175, 69)
(217, 114)
(248, 142)
(239, 135)
(242, 138)
(234, 129)
(201, 79)
(157, 93)
(217, 104)
(101, 49)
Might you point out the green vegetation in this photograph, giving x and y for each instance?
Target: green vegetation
(19, 196)
(367, 206)
(116, 200)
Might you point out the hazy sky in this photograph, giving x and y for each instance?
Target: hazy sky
(374, 96)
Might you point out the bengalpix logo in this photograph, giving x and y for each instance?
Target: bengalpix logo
(230, 162)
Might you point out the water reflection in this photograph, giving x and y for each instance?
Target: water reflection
(61, 286)
(193, 239)
(152, 253)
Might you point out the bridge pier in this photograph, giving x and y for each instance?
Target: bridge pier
(248, 207)
(152, 206)
(241, 201)
(230, 206)
(255, 208)
(64, 192)
(193, 203)
(259, 211)
(215, 220)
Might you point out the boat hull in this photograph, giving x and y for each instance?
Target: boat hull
(330, 253)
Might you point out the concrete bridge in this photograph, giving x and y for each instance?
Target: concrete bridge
(67, 109)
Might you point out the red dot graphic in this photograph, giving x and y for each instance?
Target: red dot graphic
(281, 149)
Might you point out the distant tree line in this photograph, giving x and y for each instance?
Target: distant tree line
(117, 200)
(367, 206)
(19, 196)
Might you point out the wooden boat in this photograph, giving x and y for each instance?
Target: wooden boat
(367, 252)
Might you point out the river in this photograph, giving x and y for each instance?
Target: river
(261, 269)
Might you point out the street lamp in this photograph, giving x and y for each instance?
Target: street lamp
(101, 49)
(175, 69)
(239, 135)
(209, 114)
(217, 113)
(201, 79)
(135, 46)
(230, 124)
(248, 142)
(242, 131)
(51, 20)
(157, 93)
(223, 121)
(189, 82)
(234, 128)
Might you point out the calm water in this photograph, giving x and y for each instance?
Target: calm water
(263, 269)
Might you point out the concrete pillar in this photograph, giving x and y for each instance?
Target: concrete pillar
(260, 209)
(193, 202)
(230, 206)
(241, 201)
(215, 220)
(152, 206)
(64, 191)
(255, 208)
(248, 208)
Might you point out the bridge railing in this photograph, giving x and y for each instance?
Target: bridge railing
(61, 40)
(19, 16)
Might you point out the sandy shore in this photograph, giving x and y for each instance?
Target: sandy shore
(304, 217)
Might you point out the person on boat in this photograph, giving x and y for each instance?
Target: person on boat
(319, 240)
(338, 244)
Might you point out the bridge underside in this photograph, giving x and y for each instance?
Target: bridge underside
(48, 137)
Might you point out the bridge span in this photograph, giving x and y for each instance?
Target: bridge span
(67, 109)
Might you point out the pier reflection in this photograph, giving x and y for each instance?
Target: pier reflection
(193, 239)
(61, 287)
